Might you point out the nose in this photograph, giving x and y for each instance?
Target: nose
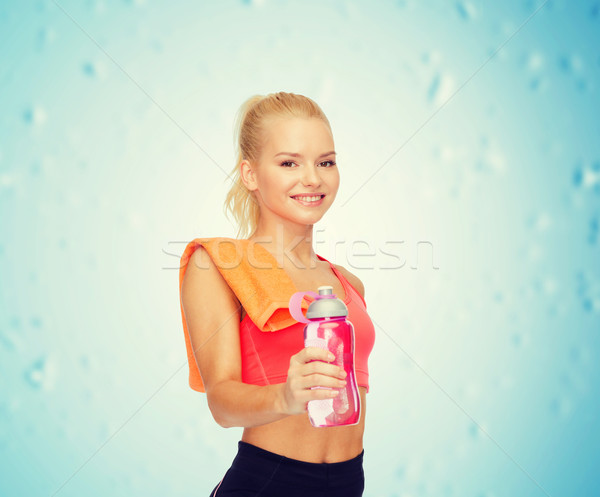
(310, 176)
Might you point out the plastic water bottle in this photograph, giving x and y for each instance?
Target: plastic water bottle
(327, 328)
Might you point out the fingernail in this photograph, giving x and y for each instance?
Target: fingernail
(331, 356)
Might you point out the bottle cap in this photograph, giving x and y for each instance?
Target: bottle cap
(325, 290)
(326, 305)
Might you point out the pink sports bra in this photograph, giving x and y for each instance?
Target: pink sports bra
(266, 355)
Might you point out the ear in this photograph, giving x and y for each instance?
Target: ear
(248, 176)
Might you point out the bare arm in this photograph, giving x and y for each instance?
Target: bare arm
(212, 313)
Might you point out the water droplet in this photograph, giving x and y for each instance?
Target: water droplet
(10, 340)
(570, 63)
(35, 115)
(466, 10)
(433, 87)
(561, 407)
(8, 407)
(94, 69)
(88, 69)
(534, 252)
(578, 175)
(549, 286)
(260, 3)
(520, 339)
(541, 222)
(35, 169)
(7, 181)
(490, 161)
(476, 430)
(517, 339)
(441, 89)
(15, 322)
(84, 362)
(36, 321)
(45, 36)
(583, 84)
(156, 45)
(588, 290)
(88, 395)
(98, 7)
(534, 61)
(42, 374)
(537, 84)
(433, 57)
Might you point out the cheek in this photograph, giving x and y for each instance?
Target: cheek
(335, 182)
(276, 186)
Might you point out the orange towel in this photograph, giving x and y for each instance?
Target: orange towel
(253, 274)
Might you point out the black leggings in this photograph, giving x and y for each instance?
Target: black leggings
(256, 472)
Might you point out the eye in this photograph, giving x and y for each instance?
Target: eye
(330, 162)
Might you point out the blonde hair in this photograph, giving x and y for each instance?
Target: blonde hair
(248, 139)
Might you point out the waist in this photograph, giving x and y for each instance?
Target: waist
(296, 472)
(295, 438)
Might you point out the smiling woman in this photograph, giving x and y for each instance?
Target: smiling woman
(308, 180)
(244, 348)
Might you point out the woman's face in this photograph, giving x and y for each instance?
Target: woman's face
(297, 159)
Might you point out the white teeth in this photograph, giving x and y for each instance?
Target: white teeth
(309, 199)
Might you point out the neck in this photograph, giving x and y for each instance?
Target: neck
(290, 246)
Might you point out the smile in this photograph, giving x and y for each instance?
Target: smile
(310, 201)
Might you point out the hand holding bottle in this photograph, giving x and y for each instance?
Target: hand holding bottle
(311, 376)
(328, 330)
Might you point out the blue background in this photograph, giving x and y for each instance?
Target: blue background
(468, 145)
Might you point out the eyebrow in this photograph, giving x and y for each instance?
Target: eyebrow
(292, 154)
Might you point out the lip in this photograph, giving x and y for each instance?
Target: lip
(309, 204)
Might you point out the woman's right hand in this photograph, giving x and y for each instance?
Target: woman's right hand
(310, 368)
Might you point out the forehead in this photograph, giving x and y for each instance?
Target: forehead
(296, 134)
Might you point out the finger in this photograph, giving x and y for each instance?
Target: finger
(323, 393)
(315, 394)
(315, 353)
(319, 380)
(323, 368)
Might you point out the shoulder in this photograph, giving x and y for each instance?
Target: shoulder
(353, 279)
(211, 319)
(203, 273)
(216, 252)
